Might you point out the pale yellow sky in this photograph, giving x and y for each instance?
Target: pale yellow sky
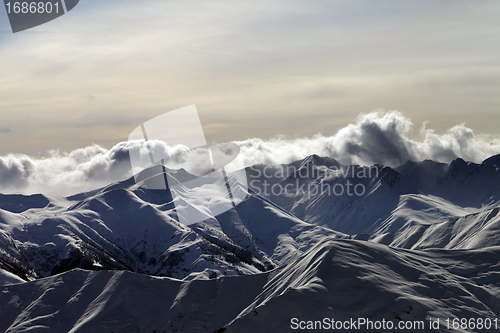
(253, 69)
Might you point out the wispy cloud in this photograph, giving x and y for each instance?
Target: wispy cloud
(376, 137)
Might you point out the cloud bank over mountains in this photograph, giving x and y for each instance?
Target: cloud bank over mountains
(376, 137)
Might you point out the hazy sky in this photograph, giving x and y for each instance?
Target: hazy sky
(253, 69)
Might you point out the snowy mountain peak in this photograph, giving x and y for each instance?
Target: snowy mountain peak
(495, 160)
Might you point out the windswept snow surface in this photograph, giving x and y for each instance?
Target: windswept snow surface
(474, 231)
(421, 242)
(393, 199)
(126, 226)
(8, 278)
(339, 279)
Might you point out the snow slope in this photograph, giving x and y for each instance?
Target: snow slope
(126, 226)
(473, 231)
(414, 193)
(424, 244)
(463, 183)
(338, 279)
(7, 278)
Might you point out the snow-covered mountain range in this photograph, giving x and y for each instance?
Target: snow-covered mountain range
(414, 242)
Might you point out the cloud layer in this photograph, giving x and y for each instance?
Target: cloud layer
(377, 137)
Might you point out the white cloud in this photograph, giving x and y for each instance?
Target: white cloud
(376, 137)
